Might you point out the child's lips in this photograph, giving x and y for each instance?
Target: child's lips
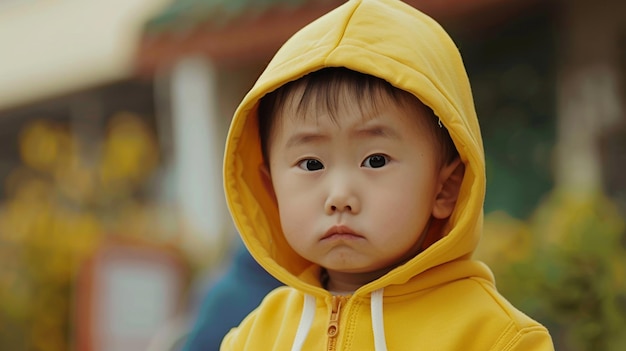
(341, 232)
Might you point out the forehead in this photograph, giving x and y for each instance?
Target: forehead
(346, 103)
(347, 114)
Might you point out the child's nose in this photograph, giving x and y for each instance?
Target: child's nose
(342, 199)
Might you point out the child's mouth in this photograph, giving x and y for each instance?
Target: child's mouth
(341, 232)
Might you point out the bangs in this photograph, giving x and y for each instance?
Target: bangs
(336, 92)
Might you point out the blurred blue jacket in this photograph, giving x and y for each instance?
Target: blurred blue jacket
(228, 302)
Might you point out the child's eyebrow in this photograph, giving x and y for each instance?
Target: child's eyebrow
(376, 131)
(304, 138)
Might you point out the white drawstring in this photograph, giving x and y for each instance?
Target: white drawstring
(306, 321)
(380, 344)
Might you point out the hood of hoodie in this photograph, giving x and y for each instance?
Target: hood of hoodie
(390, 40)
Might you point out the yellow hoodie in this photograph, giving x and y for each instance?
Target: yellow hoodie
(439, 300)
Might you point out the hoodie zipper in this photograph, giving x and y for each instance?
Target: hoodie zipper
(333, 326)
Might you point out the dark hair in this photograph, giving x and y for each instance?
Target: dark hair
(329, 86)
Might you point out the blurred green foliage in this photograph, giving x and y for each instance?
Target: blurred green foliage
(566, 267)
(513, 76)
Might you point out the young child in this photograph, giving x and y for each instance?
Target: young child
(355, 173)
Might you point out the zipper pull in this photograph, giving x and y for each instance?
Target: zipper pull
(333, 326)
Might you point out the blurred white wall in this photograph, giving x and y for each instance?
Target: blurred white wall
(48, 48)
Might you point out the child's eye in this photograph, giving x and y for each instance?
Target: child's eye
(375, 161)
(311, 164)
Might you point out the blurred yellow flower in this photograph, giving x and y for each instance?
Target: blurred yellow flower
(41, 145)
(130, 152)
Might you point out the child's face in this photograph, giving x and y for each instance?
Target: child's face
(354, 195)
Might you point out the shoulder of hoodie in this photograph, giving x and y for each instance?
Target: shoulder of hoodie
(469, 302)
(519, 331)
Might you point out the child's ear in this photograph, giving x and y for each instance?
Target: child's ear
(450, 179)
(266, 178)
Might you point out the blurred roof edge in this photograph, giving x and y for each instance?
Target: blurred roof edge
(183, 14)
(49, 49)
(236, 32)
